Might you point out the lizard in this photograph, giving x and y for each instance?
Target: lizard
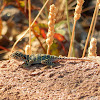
(46, 59)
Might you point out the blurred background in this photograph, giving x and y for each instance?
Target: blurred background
(14, 21)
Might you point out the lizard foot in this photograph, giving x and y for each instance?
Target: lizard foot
(25, 65)
(47, 66)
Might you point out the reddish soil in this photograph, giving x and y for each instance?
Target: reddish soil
(70, 80)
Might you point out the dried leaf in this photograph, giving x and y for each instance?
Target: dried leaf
(3, 48)
(43, 26)
(22, 3)
(43, 33)
(59, 37)
(36, 29)
(60, 23)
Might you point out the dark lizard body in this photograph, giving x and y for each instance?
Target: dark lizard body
(40, 59)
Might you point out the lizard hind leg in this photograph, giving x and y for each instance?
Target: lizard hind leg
(48, 63)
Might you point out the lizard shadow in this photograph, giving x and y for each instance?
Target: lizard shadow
(39, 66)
(75, 62)
(70, 62)
(56, 65)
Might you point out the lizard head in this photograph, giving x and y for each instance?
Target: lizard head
(18, 55)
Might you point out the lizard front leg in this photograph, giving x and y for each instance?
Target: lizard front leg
(26, 64)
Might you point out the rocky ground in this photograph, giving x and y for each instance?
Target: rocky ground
(70, 80)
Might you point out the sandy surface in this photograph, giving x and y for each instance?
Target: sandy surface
(70, 80)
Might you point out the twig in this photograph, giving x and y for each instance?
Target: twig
(29, 5)
(48, 51)
(3, 7)
(39, 41)
(72, 38)
(68, 23)
(95, 21)
(77, 15)
(89, 31)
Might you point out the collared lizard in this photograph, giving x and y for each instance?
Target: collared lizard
(46, 59)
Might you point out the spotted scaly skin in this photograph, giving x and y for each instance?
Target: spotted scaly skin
(49, 60)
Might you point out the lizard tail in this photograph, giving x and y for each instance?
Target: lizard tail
(73, 58)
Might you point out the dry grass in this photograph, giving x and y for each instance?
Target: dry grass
(29, 6)
(91, 26)
(77, 15)
(93, 47)
(27, 50)
(50, 34)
